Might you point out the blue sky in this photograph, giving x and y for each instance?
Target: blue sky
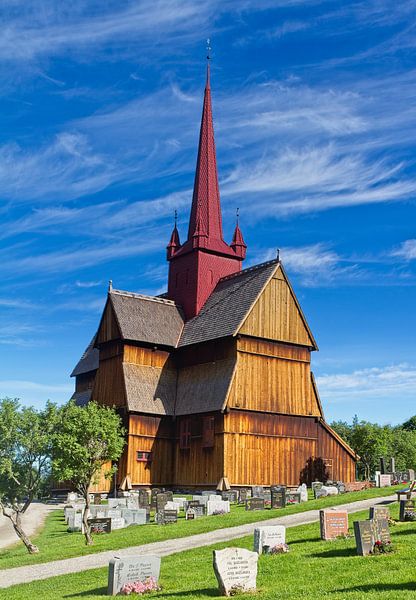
(314, 108)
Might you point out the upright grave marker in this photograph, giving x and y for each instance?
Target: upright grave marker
(278, 496)
(334, 523)
(407, 510)
(98, 526)
(235, 570)
(379, 511)
(255, 504)
(364, 537)
(266, 538)
(131, 569)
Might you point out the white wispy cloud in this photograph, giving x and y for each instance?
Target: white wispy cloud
(406, 250)
(35, 393)
(389, 381)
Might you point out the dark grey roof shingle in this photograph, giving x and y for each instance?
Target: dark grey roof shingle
(228, 304)
(150, 389)
(88, 361)
(82, 398)
(147, 318)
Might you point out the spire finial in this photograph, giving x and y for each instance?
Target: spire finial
(176, 217)
(237, 216)
(110, 285)
(208, 85)
(278, 254)
(209, 49)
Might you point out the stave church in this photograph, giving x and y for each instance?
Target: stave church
(213, 378)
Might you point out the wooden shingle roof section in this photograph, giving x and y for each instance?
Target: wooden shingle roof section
(88, 361)
(150, 389)
(139, 318)
(228, 305)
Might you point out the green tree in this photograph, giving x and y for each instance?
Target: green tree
(25, 450)
(410, 424)
(88, 438)
(403, 448)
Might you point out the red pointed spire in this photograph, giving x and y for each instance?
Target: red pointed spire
(205, 220)
(174, 242)
(238, 244)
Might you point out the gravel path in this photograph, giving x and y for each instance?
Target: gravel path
(28, 573)
(32, 521)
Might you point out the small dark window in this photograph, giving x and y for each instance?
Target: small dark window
(208, 432)
(185, 434)
(144, 456)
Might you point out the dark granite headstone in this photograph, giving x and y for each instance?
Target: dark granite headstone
(292, 498)
(255, 504)
(278, 499)
(230, 495)
(164, 517)
(364, 537)
(100, 525)
(383, 469)
(407, 510)
(161, 500)
(380, 511)
(242, 495)
(257, 491)
(144, 500)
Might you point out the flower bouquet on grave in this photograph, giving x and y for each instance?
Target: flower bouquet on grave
(140, 587)
(277, 549)
(219, 512)
(383, 547)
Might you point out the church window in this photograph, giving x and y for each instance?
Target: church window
(208, 431)
(185, 434)
(143, 456)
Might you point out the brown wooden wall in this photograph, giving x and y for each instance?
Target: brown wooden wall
(198, 466)
(268, 449)
(149, 434)
(273, 377)
(109, 386)
(340, 465)
(108, 329)
(276, 316)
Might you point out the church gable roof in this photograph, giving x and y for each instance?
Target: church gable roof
(147, 319)
(88, 361)
(228, 304)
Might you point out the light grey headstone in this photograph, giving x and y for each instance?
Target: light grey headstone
(181, 501)
(214, 506)
(303, 490)
(269, 536)
(72, 497)
(75, 522)
(201, 499)
(214, 497)
(114, 513)
(235, 570)
(129, 569)
(117, 502)
(137, 516)
(117, 523)
(171, 505)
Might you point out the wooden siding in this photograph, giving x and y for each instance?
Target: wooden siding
(102, 484)
(108, 329)
(109, 388)
(149, 434)
(85, 381)
(276, 315)
(267, 449)
(273, 377)
(199, 466)
(138, 355)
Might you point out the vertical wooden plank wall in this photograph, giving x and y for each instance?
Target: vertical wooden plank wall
(150, 434)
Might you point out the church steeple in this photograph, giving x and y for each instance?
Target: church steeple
(197, 265)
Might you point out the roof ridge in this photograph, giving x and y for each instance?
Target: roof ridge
(249, 269)
(157, 299)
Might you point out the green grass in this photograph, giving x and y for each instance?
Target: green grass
(56, 543)
(313, 569)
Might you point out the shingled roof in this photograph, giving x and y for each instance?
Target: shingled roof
(147, 318)
(88, 361)
(228, 304)
(150, 389)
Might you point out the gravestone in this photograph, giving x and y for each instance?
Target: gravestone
(98, 525)
(217, 507)
(292, 497)
(235, 570)
(138, 516)
(201, 499)
(117, 502)
(384, 480)
(143, 499)
(407, 510)
(130, 569)
(165, 517)
(341, 487)
(316, 485)
(303, 491)
(230, 495)
(114, 513)
(242, 495)
(381, 530)
(181, 501)
(334, 523)
(117, 523)
(265, 538)
(161, 500)
(153, 495)
(171, 505)
(255, 504)
(214, 498)
(392, 465)
(410, 475)
(379, 511)
(207, 493)
(132, 502)
(364, 537)
(383, 465)
(278, 496)
(190, 514)
(257, 491)
(75, 522)
(199, 509)
(97, 499)
(71, 497)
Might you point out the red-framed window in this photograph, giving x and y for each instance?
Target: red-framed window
(208, 431)
(142, 456)
(185, 434)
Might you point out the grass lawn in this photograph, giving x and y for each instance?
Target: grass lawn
(56, 543)
(311, 570)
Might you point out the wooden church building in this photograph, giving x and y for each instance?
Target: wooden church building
(213, 379)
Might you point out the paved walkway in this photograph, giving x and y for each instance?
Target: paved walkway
(32, 521)
(28, 573)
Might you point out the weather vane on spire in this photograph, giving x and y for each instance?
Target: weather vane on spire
(237, 215)
(176, 217)
(209, 49)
